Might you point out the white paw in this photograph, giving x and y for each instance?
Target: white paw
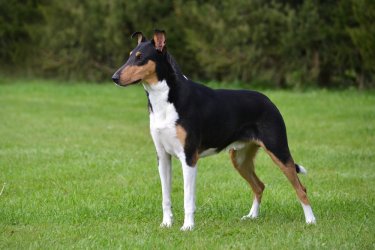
(311, 221)
(167, 222)
(187, 227)
(309, 215)
(254, 212)
(251, 216)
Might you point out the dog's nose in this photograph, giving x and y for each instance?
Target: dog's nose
(115, 79)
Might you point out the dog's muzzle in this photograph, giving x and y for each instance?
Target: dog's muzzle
(116, 80)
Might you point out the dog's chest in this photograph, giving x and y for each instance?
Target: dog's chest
(163, 118)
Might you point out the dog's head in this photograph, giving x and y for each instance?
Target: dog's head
(143, 61)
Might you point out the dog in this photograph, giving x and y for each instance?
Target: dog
(190, 121)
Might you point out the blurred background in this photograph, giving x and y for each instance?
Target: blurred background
(286, 43)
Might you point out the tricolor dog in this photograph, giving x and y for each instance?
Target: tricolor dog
(190, 121)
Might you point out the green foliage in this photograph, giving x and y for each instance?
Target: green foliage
(80, 172)
(286, 43)
(15, 37)
(363, 37)
(243, 40)
(81, 38)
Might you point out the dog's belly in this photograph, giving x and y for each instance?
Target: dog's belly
(208, 152)
(237, 145)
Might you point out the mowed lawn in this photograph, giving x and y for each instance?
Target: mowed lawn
(78, 170)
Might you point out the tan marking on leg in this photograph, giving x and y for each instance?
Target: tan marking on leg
(246, 169)
(181, 134)
(290, 172)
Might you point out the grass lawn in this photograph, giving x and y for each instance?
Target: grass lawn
(80, 171)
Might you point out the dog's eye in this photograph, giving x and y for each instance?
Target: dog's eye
(138, 55)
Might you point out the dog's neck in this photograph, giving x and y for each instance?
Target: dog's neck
(169, 88)
(157, 95)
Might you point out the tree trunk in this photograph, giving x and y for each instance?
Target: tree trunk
(360, 80)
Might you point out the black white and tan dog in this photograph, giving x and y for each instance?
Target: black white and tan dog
(190, 121)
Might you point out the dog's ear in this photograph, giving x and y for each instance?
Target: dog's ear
(140, 37)
(159, 40)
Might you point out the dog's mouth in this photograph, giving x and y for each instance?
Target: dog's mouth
(137, 81)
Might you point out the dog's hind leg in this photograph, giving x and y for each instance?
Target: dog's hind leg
(165, 172)
(243, 161)
(288, 167)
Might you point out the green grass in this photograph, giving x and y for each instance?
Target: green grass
(80, 172)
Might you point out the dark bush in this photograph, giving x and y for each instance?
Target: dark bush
(285, 43)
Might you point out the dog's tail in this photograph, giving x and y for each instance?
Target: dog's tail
(300, 169)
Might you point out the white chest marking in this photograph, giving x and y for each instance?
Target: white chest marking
(163, 119)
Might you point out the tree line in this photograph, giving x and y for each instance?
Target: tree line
(285, 43)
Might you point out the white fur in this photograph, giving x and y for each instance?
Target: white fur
(165, 172)
(254, 211)
(189, 174)
(302, 170)
(309, 215)
(163, 120)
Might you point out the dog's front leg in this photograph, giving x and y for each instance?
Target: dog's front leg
(165, 172)
(189, 174)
